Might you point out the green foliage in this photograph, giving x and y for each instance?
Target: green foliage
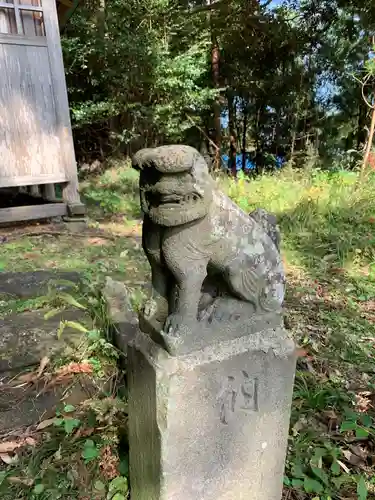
(118, 489)
(115, 191)
(360, 425)
(108, 201)
(286, 70)
(77, 452)
(138, 57)
(90, 451)
(69, 424)
(317, 213)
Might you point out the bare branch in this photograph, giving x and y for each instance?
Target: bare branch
(363, 84)
(220, 3)
(203, 132)
(205, 8)
(266, 4)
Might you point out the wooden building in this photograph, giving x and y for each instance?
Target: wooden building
(36, 145)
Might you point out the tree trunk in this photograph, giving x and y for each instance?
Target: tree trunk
(362, 112)
(231, 114)
(217, 107)
(257, 140)
(369, 144)
(215, 65)
(232, 135)
(244, 134)
(292, 146)
(100, 18)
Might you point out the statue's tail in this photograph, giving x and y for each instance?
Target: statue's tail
(269, 223)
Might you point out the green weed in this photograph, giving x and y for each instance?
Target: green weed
(78, 452)
(115, 191)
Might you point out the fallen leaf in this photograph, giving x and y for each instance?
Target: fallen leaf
(84, 433)
(7, 459)
(352, 458)
(45, 423)
(51, 263)
(19, 480)
(363, 402)
(301, 353)
(343, 466)
(26, 378)
(9, 446)
(331, 419)
(66, 373)
(360, 452)
(57, 380)
(109, 463)
(30, 441)
(42, 366)
(98, 241)
(31, 255)
(73, 368)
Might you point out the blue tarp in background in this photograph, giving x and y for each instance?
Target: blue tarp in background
(250, 164)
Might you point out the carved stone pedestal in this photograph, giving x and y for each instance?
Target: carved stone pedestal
(211, 424)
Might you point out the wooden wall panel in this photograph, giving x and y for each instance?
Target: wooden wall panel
(30, 150)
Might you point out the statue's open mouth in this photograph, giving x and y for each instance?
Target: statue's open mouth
(158, 200)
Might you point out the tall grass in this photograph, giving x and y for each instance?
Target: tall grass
(114, 191)
(324, 217)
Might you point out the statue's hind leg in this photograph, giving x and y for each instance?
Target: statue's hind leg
(244, 282)
(227, 309)
(265, 295)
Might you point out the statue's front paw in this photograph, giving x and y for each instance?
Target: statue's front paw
(152, 315)
(207, 314)
(177, 325)
(150, 308)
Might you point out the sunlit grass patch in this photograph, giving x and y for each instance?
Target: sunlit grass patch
(115, 191)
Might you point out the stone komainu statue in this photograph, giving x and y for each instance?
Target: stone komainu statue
(210, 261)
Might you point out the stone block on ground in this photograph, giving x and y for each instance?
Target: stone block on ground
(27, 337)
(75, 224)
(120, 312)
(211, 424)
(26, 285)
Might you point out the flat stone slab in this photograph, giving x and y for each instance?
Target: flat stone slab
(121, 313)
(27, 337)
(26, 285)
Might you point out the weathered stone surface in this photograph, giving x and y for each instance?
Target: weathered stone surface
(31, 284)
(120, 312)
(211, 376)
(269, 223)
(211, 262)
(213, 424)
(75, 224)
(27, 337)
(76, 209)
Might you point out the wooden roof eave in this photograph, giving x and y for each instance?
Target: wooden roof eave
(65, 9)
